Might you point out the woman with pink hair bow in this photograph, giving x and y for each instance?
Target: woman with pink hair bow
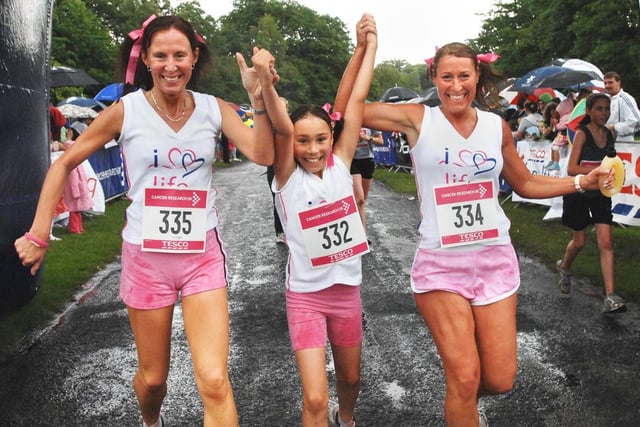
(171, 244)
(465, 273)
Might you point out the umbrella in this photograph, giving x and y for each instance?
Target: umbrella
(551, 76)
(429, 97)
(576, 116)
(83, 102)
(67, 76)
(513, 96)
(110, 93)
(579, 65)
(398, 93)
(71, 111)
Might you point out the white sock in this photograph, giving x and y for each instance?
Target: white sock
(156, 424)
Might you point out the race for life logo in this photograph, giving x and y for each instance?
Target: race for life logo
(469, 164)
(184, 162)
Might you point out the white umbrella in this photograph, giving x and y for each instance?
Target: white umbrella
(580, 65)
(71, 111)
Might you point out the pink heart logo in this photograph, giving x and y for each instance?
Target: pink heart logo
(186, 160)
(479, 160)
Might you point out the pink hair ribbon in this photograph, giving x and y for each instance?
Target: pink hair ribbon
(333, 116)
(136, 36)
(489, 57)
(429, 61)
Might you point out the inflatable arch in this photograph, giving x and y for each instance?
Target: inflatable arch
(25, 40)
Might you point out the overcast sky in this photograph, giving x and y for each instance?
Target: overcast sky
(407, 29)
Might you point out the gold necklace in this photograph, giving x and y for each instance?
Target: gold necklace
(184, 108)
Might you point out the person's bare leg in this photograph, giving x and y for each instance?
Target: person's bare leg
(497, 345)
(315, 389)
(347, 364)
(605, 245)
(152, 333)
(573, 248)
(450, 320)
(206, 322)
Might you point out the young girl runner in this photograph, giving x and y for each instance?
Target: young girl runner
(590, 145)
(314, 198)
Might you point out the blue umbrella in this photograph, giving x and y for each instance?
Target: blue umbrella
(110, 93)
(551, 76)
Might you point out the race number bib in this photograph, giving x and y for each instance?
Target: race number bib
(466, 213)
(174, 220)
(333, 232)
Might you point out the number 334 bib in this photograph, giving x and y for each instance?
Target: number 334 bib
(466, 213)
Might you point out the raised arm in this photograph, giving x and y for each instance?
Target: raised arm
(351, 71)
(357, 76)
(256, 143)
(284, 163)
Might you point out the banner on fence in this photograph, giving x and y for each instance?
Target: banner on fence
(385, 154)
(109, 169)
(625, 205)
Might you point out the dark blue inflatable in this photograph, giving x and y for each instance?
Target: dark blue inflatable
(25, 34)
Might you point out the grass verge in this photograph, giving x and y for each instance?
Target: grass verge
(70, 263)
(547, 240)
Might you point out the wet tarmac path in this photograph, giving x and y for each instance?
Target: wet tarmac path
(577, 367)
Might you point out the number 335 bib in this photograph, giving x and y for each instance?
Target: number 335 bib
(174, 220)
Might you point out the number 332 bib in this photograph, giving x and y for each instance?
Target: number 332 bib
(333, 232)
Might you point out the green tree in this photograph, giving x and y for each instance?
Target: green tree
(607, 33)
(530, 34)
(398, 73)
(311, 50)
(80, 40)
(316, 47)
(122, 16)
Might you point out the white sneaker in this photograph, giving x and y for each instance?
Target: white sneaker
(280, 238)
(482, 418)
(614, 304)
(159, 423)
(333, 417)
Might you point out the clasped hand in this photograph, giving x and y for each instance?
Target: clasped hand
(261, 73)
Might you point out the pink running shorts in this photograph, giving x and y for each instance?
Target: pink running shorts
(483, 276)
(334, 313)
(151, 280)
